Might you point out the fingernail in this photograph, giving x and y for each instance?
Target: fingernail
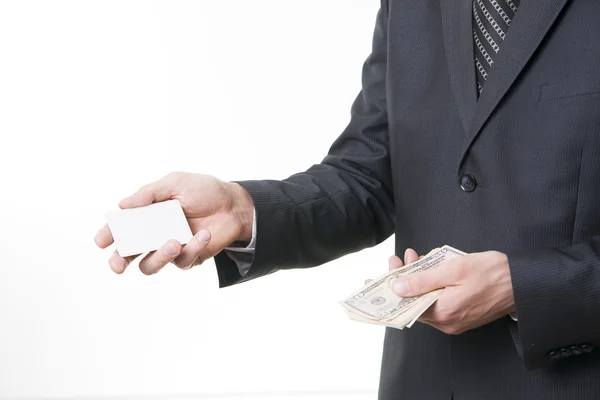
(401, 287)
(170, 250)
(203, 236)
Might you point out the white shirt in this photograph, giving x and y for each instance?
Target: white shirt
(243, 256)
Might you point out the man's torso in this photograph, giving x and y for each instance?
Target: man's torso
(531, 142)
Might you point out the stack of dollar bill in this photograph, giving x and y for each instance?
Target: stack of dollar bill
(376, 303)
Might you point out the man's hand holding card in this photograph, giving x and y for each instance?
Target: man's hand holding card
(217, 213)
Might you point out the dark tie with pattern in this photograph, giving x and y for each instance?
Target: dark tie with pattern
(491, 20)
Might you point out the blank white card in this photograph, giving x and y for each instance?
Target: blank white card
(143, 229)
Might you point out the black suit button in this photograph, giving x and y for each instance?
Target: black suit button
(468, 183)
(564, 353)
(554, 355)
(586, 348)
(575, 350)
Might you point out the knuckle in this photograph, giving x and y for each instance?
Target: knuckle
(496, 254)
(187, 265)
(416, 283)
(422, 282)
(176, 175)
(444, 317)
(452, 330)
(459, 268)
(200, 261)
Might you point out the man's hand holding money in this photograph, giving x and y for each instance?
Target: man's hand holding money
(478, 290)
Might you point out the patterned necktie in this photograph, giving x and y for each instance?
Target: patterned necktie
(491, 20)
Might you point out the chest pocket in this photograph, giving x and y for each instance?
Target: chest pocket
(570, 88)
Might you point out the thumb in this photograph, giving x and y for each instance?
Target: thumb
(223, 234)
(419, 283)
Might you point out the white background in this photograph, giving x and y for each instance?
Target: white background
(100, 97)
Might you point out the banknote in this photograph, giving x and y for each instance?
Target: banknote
(422, 305)
(407, 319)
(377, 302)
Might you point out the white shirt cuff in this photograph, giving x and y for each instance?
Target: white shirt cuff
(243, 256)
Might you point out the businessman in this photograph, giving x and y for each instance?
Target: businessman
(477, 126)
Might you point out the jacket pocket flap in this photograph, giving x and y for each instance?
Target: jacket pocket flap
(572, 87)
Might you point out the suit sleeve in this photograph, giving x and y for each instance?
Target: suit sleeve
(557, 298)
(339, 206)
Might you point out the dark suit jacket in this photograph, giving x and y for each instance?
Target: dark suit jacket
(531, 143)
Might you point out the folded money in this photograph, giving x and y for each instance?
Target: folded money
(376, 303)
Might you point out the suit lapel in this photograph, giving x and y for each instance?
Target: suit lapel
(530, 24)
(458, 41)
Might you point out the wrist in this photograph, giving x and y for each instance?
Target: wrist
(511, 306)
(243, 210)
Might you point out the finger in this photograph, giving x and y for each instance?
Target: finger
(449, 329)
(155, 192)
(156, 260)
(118, 263)
(430, 315)
(410, 256)
(395, 262)
(191, 251)
(223, 232)
(423, 282)
(443, 310)
(457, 327)
(103, 237)
(435, 316)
